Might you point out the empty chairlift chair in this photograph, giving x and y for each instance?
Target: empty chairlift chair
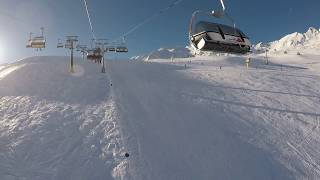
(38, 42)
(111, 49)
(60, 44)
(210, 36)
(121, 49)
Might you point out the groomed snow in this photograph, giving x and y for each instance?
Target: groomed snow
(274, 107)
(193, 118)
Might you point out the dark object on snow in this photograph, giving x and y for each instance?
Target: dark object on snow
(126, 154)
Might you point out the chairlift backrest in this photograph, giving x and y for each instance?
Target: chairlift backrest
(203, 26)
(60, 44)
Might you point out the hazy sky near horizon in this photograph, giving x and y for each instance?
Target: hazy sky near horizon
(261, 20)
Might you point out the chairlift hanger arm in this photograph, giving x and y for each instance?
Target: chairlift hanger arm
(223, 6)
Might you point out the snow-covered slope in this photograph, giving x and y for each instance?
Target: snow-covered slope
(194, 118)
(307, 41)
(55, 125)
(275, 106)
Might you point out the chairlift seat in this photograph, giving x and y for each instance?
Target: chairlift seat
(60, 45)
(37, 42)
(111, 49)
(121, 49)
(210, 36)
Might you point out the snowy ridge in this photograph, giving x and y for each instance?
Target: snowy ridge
(166, 53)
(295, 41)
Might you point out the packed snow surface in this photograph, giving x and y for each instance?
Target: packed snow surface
(190, 118)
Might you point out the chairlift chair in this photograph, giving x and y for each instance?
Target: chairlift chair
(111, 49)
(95, 55)
(37, 42)
(68, 44)
(90, 55)
(121, 49)
(210, 36)
(98, 55)
(60, 44)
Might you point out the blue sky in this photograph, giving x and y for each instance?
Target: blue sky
(261, 20)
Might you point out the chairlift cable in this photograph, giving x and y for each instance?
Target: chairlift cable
(139, 25)
(89, 19)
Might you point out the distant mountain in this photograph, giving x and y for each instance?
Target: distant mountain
(166, 53)
(309, 40)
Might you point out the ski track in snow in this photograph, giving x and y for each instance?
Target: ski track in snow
(175, 132)
(280, 103)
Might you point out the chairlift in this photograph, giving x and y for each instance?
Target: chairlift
(60, 44)
(211, 36)
(70, 42)
(122, 48)
(90, 55)
(37, 42)
(111, 49)
(95, 55)
(98, 55)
